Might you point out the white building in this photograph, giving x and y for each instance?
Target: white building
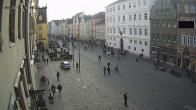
(83, 26)
(128, 25)
(76, 23)
(62, 27)
(69, 27)
(100, 31)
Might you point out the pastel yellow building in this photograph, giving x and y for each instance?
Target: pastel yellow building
(42, 28)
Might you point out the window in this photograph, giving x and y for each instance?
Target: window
(19, 22)
(130, 17)
(123, 18)
(114, 39)
(144, 2)
(113, 19)
(114, 44)
(186, 8)
(130, 30)
(135, 31)
(40, 27)
(107, 20)
(107, 10)
(118, 7)
(129, 47)
(134, 17)
(139, 3)
(183, 39)
(140, 42)
(189, 40)
(145, 16)
(124, 31)
(146, 32)
(140, 17)
(107, 30)
(107, 38)
(192, 9)
(118, 18)
(114, 30)
(146, 43)
(194, 41)
(130, 41)
(135, 41)
(40, 17)
(110, 30)
(123, 6)
(119, 30)
(174, 38)
(134, 4)
(113, 9)
(142, 50)
(12, 21)
(40, 35)
(110, 38)
(110, 9)
(129, 5)
(135, 48)
(110, 20)
(140, 31)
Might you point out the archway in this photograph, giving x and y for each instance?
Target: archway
(121, 44)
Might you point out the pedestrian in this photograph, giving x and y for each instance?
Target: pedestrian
(42, 79)
(53, 88)
(48, 80)
(47, 60)
(104, 69)
(44, 60)
(59, 87)
(108, 64)
(99, 59)
(57, 75)
(125, 99)
(140, 56)
(108, 69)
(77, 65)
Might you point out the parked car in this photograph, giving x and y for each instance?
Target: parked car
(65, 65)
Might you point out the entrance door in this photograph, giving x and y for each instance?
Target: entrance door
(121, 44)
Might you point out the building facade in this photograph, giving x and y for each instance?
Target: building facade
(128, 25)
(186, 34)
(17, 51)
(42, 28)
(76, 25)
(69, 27)
(100, 32)
(164, 31)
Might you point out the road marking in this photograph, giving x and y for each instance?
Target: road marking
(189, 107)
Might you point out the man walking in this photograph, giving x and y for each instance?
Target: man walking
(53, 88)
(104, 69)
(47, 60)
(125, 99)
(77, 65)
(57, 75)
(99, 58)
(108, 69)
(59, 87)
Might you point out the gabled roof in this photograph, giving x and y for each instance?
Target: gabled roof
(100, 15)
(42, 12)
(118, 1)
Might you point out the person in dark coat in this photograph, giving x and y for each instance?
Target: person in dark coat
(57, 75)
(59, 87)
(125, 99)
(77, 65)
(99, 58)
(53, 88)
(47, 60)
(104, 69)
(108, 69)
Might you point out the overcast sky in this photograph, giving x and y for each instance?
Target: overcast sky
(59, 9)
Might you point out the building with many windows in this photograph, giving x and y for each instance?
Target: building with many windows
(186, 34)
(164, 30)
(128, 25)
(42, 28)
(17, 51)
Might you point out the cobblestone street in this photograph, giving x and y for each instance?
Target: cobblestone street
(90, 89)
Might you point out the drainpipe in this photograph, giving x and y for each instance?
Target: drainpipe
(27, 39)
